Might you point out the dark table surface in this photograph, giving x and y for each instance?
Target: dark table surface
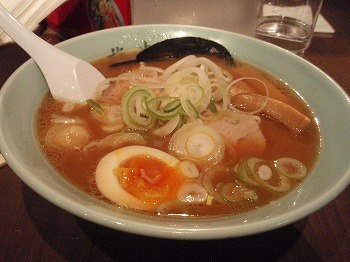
(32, 229)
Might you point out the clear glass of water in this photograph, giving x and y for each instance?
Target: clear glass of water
(288, 23)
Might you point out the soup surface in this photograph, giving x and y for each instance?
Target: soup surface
(207, 139)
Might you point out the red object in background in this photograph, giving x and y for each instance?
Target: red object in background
(76, 17)
(125, 9)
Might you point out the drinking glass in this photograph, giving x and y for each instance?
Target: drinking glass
(288, 23)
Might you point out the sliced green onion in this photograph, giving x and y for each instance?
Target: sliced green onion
(232, 192)
(245, 174)
(95, 106)
(265, 172)
(189, 109)
(154, 107)
(212, 179)
(168, 127)
(189, 169)
(291, 167)
(181, 121)
(262, 106)
(173, 105)
(197, 142)
(193, 108)
(213, 106)
(256, 166)
(116, 140)
(134, 112)
(192, 192)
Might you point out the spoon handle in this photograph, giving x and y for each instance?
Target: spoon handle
(68, 77)
(30, 42)
(2, 161)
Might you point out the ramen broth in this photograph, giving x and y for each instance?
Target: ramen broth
(79, 166)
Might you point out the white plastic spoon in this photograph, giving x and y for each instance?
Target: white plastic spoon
(68, 77)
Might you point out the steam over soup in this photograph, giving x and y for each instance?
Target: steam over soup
(190, 137)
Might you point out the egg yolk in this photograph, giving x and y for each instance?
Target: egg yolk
(149, 179)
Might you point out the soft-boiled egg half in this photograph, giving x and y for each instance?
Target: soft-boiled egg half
(139, 177)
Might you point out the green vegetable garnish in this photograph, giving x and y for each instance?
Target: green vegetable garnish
(213, 106)
(95, 106)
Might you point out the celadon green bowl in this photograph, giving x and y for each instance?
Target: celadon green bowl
(22, 93)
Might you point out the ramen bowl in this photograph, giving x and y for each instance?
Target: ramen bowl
(24, 90)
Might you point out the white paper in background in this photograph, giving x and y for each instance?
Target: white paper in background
(322, 25)
(2, 161)
(10, 5)
(29, 12)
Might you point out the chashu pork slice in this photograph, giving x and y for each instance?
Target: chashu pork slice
(242, 132)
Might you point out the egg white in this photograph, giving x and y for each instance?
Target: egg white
(108, 183)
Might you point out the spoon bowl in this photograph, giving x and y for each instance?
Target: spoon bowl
(68, 77)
